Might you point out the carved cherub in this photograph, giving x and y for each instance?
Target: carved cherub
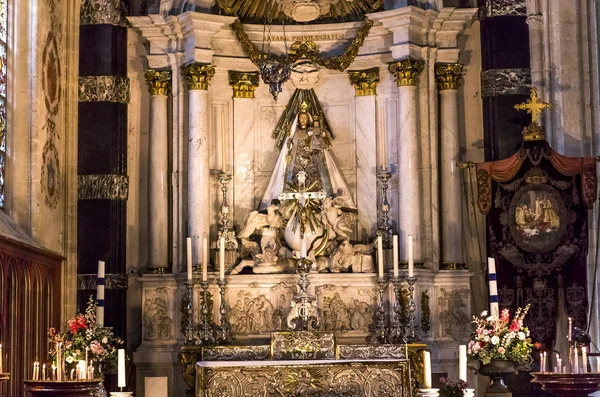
(339, 221)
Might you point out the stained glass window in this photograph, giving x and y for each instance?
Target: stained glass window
(3, 35)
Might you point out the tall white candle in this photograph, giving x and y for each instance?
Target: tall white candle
(205, 261)
(82, 370)
(462, 362)
(411, 259)
(395, 254)
(188, 242)
(1, 358)
(303, 248)
(575, 364)
(493, 286)
(427, 370)
(380, 256)
(100, 294)
(222, 258)
(570, 337)
(121, 368)
(584, 360)
(597, 364)
(382, 137)
(223, 143)
(44, 372)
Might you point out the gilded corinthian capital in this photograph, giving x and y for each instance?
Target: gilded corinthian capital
(406, 71)
(198, 75)
(365, 81)
(448, 76)
(158, 81)
(243, 83)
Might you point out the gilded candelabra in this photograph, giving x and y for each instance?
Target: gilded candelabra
(189, 329)
(379, 330)
(411, 333)
(206, 334)
(385, 228)
(396, 330)
(223, 331)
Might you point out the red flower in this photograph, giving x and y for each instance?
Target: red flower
(77, 323)
(537, 345)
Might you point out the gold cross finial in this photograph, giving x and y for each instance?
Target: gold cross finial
(533, 106)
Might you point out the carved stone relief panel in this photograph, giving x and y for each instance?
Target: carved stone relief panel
(259, 310)
(455, 319)
(157, 316)
(345, 308)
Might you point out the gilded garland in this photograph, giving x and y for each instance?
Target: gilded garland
(306, 49)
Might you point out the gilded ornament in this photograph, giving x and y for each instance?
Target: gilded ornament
(448, 76)
(243, 83)
(104, 186)
(406, 71)
(425, 312)
(198, 75)
(306, 49)
(365, 81)
(158, 82)
(417, 366)
(103, 89)
(533, 106)
(453, 266)
(101, 12)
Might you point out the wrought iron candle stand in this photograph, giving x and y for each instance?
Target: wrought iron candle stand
(385, 229)
(411, 334)
(396, 329)
(206, 335)
(223, 331)
(189, 329)
(379, 332)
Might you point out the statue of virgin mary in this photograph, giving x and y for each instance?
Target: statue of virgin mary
(306, 148)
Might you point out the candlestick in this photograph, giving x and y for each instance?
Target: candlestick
(494, 309)
(411, 333)
(206, 335)
(584, 363)
(205, 262)
(53, 373)
(92, 371)
(188, 242)
(100, 294)
(223, 331)
(222, 258)
(379, 334)
(396, 331)
(1, 358)
(380, 255)
(462, 362)
(87, 349)
(44, 372)
(411, 259)
(575, 364)
(121, 368)
(382, 138)
(385, 228)
(427, 369)
(395, 254)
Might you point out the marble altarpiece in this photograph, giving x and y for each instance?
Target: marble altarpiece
(209, 113)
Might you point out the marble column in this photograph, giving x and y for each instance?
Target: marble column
(410, 201)
(365, 85)
(198, 77)
(448, 78)
(159, 86)
(243, 85)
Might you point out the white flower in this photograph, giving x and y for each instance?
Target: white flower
(486, 338)
(105, 340)
(490, 318)
(484, 313)
(521, 335)
(69, 359)
(495, 340)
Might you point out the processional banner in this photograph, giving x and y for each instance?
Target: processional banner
(537, 203)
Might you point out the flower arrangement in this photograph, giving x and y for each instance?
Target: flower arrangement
(84, 336)
(452, 389)
(501, 338)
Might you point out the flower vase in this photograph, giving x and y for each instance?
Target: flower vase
(497, 370)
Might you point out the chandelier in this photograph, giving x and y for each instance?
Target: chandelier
(306, 10)
(274, 70)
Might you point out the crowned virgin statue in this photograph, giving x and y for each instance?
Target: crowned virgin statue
(307, 149)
